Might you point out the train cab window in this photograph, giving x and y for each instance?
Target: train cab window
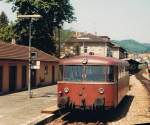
(72, 73)
(95, 73)
(110, 75)
(87, 73)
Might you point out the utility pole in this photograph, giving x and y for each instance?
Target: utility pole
(29, 84)
(59, 35)
(30, 17)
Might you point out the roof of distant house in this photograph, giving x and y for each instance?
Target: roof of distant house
(89, 38)
(20, 52)
(116, 46)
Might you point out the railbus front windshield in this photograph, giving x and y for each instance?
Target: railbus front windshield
(95, 73)
(72, 73)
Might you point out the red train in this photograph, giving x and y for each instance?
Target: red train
(92, 82)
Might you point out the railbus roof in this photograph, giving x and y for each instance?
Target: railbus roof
(92, 60)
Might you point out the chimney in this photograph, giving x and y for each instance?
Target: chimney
(13, 41)
(76, 35)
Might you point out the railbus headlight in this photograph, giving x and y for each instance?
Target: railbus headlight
(60, 93)
(101, 90)
(66, 90)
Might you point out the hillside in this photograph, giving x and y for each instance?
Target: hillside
(133, 46)
(148, 46)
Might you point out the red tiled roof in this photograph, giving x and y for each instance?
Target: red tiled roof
(20, 52)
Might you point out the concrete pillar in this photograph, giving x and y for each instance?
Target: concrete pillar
(56, 72)
(27, 74)
(50, 73)
(5, 78)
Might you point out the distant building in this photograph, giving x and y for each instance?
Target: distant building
(119, 52)
(133, 65)
(14, 68)
(89, 43)
(141, 57)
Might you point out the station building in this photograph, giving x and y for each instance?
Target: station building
(14, 66)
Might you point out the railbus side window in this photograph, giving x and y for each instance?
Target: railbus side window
(116, 74)
(111, 74)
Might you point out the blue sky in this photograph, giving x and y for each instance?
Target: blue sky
(119, 19)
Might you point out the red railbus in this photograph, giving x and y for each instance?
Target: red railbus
(92, 82)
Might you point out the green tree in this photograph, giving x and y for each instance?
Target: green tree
(6, 29)
(3, 20)
(62, 35)
(54, 13)
(66, 34)
(7, 33)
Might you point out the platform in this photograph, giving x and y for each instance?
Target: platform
(18, 109)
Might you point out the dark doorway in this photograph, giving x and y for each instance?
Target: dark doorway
(12, 78)
(24, 76)
(33, 78)
(53, 74)
(1, 78)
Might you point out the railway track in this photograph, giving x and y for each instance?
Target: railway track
(79, 118)
(86, 117)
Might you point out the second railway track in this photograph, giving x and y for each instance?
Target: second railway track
(143, 80)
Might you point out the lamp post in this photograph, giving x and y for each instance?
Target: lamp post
(59, 36)
(34, 16)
